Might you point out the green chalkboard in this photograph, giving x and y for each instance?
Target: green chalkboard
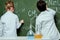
(27, 10)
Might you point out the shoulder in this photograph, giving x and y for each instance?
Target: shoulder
(3, 16)
(15, 15)
(51, 11)
(39, 18)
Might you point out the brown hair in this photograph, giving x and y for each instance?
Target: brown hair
(9, 4)
(41, 5)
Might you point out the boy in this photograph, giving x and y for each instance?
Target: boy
(10, 21)
(45, 24)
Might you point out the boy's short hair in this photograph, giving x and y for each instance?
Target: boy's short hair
(9, 4)
(41, 5)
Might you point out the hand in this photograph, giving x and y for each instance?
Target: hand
(22, 21)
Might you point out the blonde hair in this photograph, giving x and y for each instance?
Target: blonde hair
(9, 4)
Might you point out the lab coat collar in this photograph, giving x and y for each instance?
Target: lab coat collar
(9, 12)
(43, 12)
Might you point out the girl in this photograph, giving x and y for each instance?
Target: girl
(10, 21)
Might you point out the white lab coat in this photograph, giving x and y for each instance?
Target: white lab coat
(10, 23)
(45, 25)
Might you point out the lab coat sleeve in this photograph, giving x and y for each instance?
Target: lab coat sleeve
(38, 26)
(2, 25)
(53, 12)
(1, 28)
(18, 23)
